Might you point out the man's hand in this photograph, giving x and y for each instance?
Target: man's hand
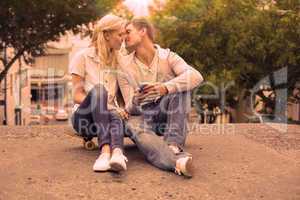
(149, 91)
(156, 88)
(138, 97)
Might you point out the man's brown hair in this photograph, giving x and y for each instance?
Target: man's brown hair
(140, 23)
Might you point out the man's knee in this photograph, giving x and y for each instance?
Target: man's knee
(180, 96)
(179, 101)
(135, 126)
(81, 126)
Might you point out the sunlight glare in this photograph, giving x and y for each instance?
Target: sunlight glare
(139, 8)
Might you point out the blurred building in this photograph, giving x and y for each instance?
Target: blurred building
(51, 86)
(35, 93)
(15, 93)
(293, 106)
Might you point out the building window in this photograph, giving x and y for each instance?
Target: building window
(51, 92)
(34, 95)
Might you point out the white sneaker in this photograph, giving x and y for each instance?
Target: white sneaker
(102, 163)
(184, 166)
(118, 160)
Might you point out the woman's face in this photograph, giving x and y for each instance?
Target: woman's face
(115, 38)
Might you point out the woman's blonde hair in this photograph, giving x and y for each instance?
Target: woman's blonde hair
(108, 23)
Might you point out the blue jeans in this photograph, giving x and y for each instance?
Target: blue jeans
(93, 119)
(168, 118)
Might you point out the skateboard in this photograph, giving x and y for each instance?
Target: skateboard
(87, 142)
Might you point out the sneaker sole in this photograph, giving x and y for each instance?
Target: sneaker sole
(103, 170)
(188, 168)
(114, 166)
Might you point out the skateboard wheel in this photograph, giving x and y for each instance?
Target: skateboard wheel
(89, 145)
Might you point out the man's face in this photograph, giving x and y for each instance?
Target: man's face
(133, 36)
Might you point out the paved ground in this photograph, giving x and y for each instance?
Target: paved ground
(245, 161)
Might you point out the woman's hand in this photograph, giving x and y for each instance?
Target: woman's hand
(123, 114)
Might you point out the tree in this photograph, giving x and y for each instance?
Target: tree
(233, 40)
(25, 26)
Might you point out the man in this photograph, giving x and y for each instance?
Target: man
(155, 84)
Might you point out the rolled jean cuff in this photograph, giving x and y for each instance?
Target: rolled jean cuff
(174, 143)
(103, 142)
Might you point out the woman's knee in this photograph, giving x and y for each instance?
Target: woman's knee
(81, 126)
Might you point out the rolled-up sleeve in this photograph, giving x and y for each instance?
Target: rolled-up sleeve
(77, 65)
(187, 78)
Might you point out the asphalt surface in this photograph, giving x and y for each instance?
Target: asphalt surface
(244, 161)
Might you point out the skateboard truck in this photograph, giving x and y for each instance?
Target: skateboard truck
(88, 144)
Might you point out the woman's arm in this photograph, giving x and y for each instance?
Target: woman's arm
(79, 93)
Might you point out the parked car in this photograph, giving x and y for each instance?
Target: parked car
(49, 110)
(61, 115)
(35, 119)
(35, 115)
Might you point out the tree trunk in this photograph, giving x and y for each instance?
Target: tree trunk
(8, 65)
(244, 108)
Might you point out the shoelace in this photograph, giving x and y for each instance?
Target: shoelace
(103, 155)
(124, 157)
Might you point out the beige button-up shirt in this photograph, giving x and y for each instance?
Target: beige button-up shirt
(88, 65)
(167, 67)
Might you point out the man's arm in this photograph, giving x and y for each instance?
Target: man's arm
(187, 78)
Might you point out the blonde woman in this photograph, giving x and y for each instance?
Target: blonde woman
(94, 80)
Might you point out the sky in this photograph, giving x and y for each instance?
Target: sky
(139, 7)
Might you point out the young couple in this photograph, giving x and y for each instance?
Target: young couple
(155, 84)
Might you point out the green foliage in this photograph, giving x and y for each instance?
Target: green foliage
(234, 40)
(28, 24)
(293, 5)
(122, 11)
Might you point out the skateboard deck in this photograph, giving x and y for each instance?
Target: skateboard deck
(87, 143)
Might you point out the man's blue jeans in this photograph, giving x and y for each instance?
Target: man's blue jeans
(168, 117)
